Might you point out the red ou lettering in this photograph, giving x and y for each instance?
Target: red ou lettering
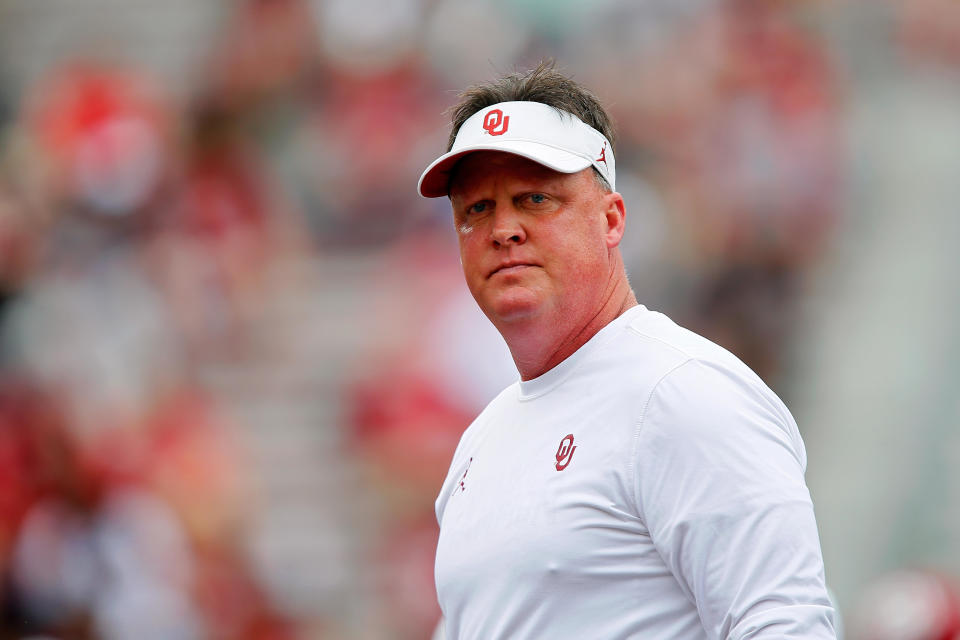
(495, 123)
(565, 452)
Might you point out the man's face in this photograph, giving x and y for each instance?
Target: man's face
(533, 242)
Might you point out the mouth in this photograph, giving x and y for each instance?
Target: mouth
(511, 267)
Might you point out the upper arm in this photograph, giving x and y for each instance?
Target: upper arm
(719, 480)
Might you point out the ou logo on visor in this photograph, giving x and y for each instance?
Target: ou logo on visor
(565, 452)
(495, 123)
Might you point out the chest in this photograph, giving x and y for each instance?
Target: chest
(542, 496)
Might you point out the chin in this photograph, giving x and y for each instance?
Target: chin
(510, 309)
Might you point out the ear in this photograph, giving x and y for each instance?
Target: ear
(615, 214)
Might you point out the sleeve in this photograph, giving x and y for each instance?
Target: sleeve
(719, 481)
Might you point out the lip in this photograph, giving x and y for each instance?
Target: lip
(511, 267)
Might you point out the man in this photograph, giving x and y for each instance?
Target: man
(638, 481)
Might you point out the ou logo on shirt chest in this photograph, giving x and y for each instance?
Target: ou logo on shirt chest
(565, 452)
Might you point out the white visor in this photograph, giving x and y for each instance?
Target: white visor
(539, 132)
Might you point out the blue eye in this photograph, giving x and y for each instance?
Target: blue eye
(478, 207)
(538, 198)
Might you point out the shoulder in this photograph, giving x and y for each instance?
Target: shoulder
(501, 403)
(697, 392)
(656, 334)
(711, 401)
(476, 431)
(712, 438)
(649, 351)
(693, 369)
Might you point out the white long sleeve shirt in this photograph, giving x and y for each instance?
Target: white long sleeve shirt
(650, 486)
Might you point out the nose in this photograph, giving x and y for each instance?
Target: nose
(507, 227)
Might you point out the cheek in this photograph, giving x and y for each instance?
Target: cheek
(580, 259)
(469, 256)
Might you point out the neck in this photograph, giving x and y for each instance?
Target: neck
(541, 343)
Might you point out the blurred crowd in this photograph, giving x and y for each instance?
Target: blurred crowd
(223, 295)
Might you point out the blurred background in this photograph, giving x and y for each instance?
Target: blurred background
(236, 352)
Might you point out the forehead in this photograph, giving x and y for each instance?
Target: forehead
(479, 169)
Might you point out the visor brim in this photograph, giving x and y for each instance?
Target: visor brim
(435, 181)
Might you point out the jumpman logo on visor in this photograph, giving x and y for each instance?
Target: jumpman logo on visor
(603, 155)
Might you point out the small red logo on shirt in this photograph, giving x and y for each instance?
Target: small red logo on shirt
(495, 119)
(565, 452)
(463, 487)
